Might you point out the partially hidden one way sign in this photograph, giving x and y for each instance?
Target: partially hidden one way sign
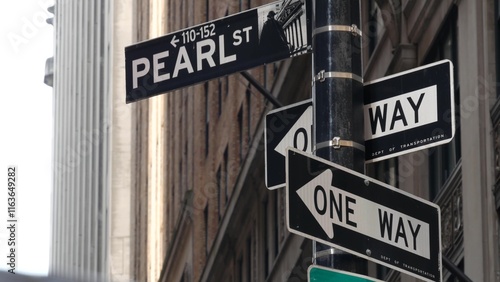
(289, 126)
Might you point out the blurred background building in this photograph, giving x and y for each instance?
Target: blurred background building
(92, 151)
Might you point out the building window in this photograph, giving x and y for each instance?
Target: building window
(271, 231)
(205, 217)
(186, 153)
(266, 238)
(240, 269)
(186, 14)
(249, 113)
(223, 87)
(226, 177)
(387, 171)
(240, 128)
(219, 188)
(245, 5)
(175, 15)
(185, 274)
(460, 266)
(497, 28)
(374, 26)
(249, 259)
(220, 97)
(382, 271)
(244, 263)
(207, 10)
(276, 223)
(207, 117)
(443, 159)
(265, 75)
(179, 144)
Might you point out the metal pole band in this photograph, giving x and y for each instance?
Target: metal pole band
(323, 253)
(322, 75)
(337, 143)
(347, 28)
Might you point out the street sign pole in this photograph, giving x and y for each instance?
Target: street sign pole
(338, 102)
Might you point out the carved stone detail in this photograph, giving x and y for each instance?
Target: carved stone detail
(450, 201)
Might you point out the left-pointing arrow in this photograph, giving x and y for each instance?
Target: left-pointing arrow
(314, 195)
(332, 206)
(174, 41)
(299, 136)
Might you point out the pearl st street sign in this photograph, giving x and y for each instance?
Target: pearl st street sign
(409, 111)
(266, 34)
(344, 209)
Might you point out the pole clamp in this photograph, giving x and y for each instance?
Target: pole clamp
(323, 253)
(338, 143)
(353, 29)
(322, 75)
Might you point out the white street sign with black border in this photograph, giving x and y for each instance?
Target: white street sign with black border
(344, 209)
(409, 111)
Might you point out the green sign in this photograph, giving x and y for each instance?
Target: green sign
(322, 274)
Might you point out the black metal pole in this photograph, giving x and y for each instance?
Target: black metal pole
(338, 102)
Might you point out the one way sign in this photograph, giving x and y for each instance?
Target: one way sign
(409, 111)
(403, 113)
(289, 126)
(349, 211)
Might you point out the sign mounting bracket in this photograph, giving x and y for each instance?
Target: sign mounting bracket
(338, 143)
